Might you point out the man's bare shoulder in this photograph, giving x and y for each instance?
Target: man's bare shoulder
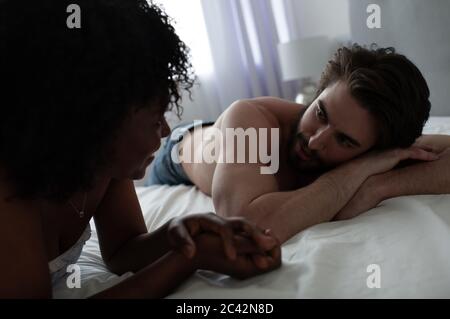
(269, 101)
(264, 111)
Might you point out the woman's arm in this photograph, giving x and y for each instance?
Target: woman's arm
(126, 245)
(124, 241)
(24, 271)
(155, 280)
(163, 276)
(24, 263)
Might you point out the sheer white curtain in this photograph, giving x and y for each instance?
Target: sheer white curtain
(234, 50)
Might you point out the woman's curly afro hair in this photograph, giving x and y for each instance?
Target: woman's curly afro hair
(66, 91)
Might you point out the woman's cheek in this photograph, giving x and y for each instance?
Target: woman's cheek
(155, 143)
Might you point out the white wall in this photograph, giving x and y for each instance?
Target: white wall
(417, 28)
(320, 17)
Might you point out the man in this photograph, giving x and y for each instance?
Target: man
(335, 156)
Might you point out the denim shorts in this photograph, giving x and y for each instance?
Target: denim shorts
(164, 170)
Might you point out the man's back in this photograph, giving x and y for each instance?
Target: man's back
(260, 113)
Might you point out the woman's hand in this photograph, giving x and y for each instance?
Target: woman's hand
(250, 259)
(182, 230)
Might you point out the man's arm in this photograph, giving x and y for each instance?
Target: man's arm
(288, 213)
(420, 178)
(241, 190)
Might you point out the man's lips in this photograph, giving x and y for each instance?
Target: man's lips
(302, 153)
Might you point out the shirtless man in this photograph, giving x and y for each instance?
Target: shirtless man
(335, 155)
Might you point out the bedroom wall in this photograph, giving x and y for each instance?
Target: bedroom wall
(419, 29)
(319, 17)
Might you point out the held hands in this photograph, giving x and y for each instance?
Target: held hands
(232, 246)
(250, 259)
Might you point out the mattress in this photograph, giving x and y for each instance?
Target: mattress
(399, 249)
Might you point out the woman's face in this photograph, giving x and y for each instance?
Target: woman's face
(137, 141)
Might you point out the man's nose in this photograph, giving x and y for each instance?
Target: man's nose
(319, 140)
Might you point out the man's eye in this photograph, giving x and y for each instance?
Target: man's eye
(344, 141)
(320, 114)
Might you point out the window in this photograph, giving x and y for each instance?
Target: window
(189, 24)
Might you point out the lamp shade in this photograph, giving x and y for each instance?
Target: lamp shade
(304, 58)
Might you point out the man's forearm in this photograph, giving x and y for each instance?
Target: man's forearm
(423, 178)
(288, 213)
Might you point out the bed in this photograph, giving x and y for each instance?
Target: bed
(399, 249)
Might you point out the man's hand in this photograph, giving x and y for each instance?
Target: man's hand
(382, 161)
(374, 164)
(250, 259)
(182, 230)
(374, 189)
(435, 143)
(368, 196)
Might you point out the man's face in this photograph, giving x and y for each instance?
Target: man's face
(334, 128)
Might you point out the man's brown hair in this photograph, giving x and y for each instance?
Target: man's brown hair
(388, 85)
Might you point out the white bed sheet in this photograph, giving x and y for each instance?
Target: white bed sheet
(407, 237)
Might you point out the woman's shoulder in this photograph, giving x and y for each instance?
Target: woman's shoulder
(25, 270)
(16, 214)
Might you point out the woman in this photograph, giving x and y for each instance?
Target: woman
(82, 112)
